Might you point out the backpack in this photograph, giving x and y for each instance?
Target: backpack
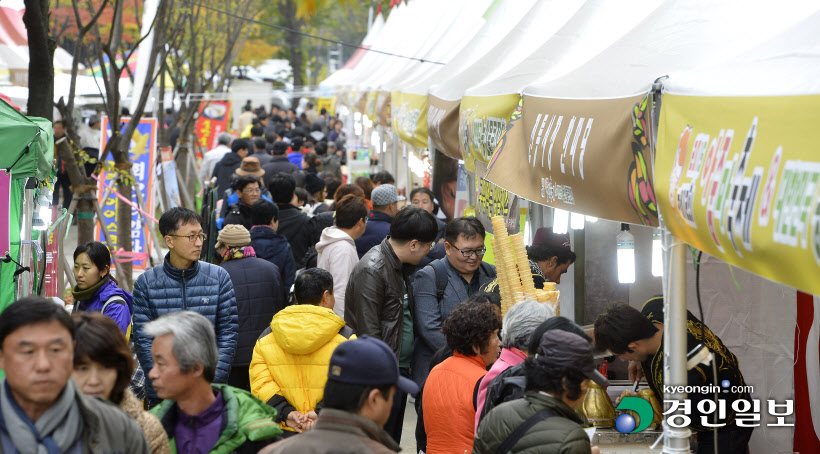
(440, 271)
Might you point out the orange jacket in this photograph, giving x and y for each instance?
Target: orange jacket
(449, 415)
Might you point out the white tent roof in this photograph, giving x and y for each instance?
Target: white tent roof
(427, 32)
(391, 39)
(536, 26)
(505, 14)
(341, 74)
(591, 30)
(678, 35)
(465, 23)
(786, 65)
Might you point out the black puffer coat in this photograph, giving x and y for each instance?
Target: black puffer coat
(259, 295)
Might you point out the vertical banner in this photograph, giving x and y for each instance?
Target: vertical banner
(326, 103)
(169, 177)
(493, 200)
(214, 118)
(462, 191)
(5, 206)
(141, 154)
(445, 181)
(52, 254)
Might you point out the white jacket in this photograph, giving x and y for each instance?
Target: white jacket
(337, 254)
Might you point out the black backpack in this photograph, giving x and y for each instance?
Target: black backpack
(440, 271)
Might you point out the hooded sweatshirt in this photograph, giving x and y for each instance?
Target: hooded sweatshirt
(291, 358)
(337, 254)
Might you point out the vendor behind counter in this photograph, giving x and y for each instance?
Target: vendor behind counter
(550, 255)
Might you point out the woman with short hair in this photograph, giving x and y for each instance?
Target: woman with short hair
(448, 401)
(102, 368)
(516, 330)
(96, 289)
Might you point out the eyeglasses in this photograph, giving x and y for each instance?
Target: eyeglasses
(193, 237)
(468, 254)
(252, 191)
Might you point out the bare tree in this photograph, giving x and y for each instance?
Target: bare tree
(202, 63)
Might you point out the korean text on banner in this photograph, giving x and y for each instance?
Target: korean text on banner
(492, 200)
(141, 155)
(51, 277)
(739, 179)
(481, 123)
(587, 156)
(214, 118)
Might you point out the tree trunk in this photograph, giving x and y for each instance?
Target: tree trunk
(82, 187)
(41, 60)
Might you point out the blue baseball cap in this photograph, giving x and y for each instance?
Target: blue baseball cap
(367, 361)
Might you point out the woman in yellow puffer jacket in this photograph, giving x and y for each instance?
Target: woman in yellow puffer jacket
(291, 357)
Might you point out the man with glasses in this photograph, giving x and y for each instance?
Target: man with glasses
(440, 286)
(182, 282)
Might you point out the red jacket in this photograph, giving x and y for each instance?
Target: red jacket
(449, 415)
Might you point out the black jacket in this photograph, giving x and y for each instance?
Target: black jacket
(375, 295)
(297, 227)
(224, 171)
(277, 164)
(239, 213)
(274, 247)
(259, 295)
(263, 156)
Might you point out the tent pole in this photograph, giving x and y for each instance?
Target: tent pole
(676, 440)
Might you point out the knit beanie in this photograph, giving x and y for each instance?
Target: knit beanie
(233, 235)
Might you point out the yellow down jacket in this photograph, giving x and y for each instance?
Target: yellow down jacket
(290, 360)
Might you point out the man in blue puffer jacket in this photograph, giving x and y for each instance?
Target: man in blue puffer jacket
(182, 282)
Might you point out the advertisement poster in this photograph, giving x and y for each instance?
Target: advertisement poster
(462, 191)
(445, 181)
(169, 177)
(492, 200)
(51, 276)
(214, 118)
(141, 151)
(739, 178)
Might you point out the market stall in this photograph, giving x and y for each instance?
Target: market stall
(25, 181)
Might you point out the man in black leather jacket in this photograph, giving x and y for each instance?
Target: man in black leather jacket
(378, 289)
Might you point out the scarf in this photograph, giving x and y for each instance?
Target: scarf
(238, 252)
(87, 294)
(57, 430)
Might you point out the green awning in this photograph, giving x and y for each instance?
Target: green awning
(17, 132)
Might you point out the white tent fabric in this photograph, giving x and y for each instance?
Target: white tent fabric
(788, 64)
(536, 26)
(458, 34)
(340, 74)
(436, 18)
(596, 24)
(505, 15)
(679, 35)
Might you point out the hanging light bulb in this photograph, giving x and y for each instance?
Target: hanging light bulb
(576, 221)
(591, 219)
(560, 219)
(625, 244)
(657, 255)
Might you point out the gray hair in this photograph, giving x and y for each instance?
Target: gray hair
(521, 320)
(194, 340)
(224, 139)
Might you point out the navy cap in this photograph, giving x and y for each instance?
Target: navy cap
(569, 350)
(367, 361)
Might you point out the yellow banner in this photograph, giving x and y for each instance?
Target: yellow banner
(738, 178)
(327, 103)
(410, 118)
(481, 123)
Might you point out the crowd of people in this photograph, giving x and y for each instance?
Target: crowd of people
(313, 328)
